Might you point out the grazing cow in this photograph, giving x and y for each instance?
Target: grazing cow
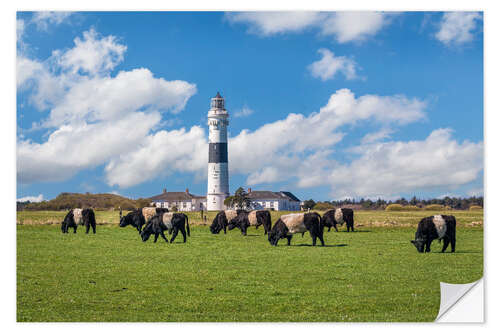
(166, 221)
(134, 218)
(139, 217)
(77, 217)
(221, 220)
(435, 227)
(290, 224)
(176, 222)
(245, 219)
(340, 216)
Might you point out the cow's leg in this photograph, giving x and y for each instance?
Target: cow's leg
(224, 229)
(244, 230)
(335, 226)
(320, 236)
(183, 232)
(446, 241)
(93, 227)
(163, 236)
(428, 246)
(453, 240)
(289, 239)
(314, 239)
(176, 231)
(329, 229)
(74, 229)
(156, 236)
(87, 228)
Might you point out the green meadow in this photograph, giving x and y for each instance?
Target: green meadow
(373, 274)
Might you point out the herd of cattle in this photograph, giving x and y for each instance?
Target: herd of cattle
(155, 221)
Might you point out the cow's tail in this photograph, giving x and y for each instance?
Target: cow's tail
(187, 226)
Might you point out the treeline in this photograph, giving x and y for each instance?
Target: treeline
(451, 203)
(103, 201)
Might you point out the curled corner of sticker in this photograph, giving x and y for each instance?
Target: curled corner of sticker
(461, 303)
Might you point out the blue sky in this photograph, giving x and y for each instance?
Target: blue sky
(326, 105)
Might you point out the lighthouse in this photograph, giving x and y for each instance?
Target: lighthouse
(218, 175)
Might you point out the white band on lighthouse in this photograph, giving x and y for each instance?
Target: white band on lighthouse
(218, 175)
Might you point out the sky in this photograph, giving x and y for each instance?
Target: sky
(327, 105)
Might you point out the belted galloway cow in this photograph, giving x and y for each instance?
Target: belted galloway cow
(78, 216)
(173, 222)
(290, 224)
(255, 218)
(139, 217)
(221, 220)
(441, 227)
(339, 216)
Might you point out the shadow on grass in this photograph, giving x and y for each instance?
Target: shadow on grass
(319, 245)
(334, 232)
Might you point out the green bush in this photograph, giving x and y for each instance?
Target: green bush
(323, 206)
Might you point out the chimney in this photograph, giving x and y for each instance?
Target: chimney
(164, 190)
(249, 190)
(187, 190)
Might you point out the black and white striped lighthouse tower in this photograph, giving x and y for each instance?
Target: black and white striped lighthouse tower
(218, 175)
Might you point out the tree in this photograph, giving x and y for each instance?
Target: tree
(309, 204)
(239, 200)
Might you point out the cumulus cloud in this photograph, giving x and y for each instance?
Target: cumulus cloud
(354, 26)
(457, 27)
(44, 19)
(343, 26)
(288, 145)
(91, 54)
(270, 23)
(94, 117)
(329, 65)
(244, 112)
(38, 198)
(160, 154)
(394, 167)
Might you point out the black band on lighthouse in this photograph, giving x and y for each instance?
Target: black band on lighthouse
(217, 152)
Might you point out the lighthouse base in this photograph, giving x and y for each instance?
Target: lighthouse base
(216, 201)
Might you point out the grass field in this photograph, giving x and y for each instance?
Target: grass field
(374, 274)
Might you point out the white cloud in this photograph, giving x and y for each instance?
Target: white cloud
(20, 29)
(38, 198)
(160, 154)
(329, 65)
(390, 168)
(91, 54)
(94, 117)
(244, 112)
(42, 20)
(354, 26)
(288, 145)
(475, 192)
(457, 27)
(270, 23)
(384, 133)
(345, 26)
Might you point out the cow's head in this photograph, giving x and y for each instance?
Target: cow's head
(146, 232)
(235, 222)
(278, 231)
(125, 220)
(419, 244)
(216, 226)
